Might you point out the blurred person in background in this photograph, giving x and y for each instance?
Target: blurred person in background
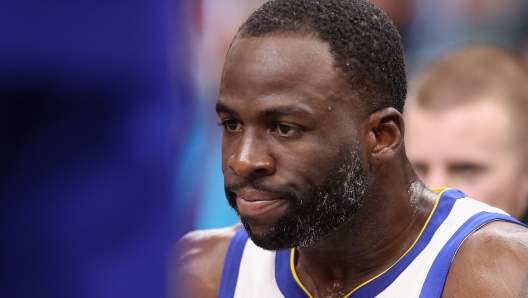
(467, 126)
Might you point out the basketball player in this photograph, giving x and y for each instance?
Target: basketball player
(467, 127)
(311, 102)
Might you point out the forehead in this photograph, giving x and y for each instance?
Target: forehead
(296, 65)
(481, 130)
(281, 51)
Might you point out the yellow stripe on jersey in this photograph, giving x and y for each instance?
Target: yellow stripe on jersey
(292, 255)
(294, 272)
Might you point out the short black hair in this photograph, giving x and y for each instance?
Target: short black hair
(363, 40)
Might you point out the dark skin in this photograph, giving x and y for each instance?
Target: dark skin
(286, 111)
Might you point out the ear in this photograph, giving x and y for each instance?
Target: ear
(383, 133)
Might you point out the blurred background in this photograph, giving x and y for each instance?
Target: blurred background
(109, 143)
(94, 99)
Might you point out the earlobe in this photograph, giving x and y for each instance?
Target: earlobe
(383, 135)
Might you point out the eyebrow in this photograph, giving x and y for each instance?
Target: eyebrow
(222, 108)
(280, 111)
(285, 111)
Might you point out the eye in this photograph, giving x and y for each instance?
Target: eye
(468, 172)
(231, 125)
(285, 130)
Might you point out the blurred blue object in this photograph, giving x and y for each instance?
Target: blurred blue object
(200, 179)
(199, 183)
(90, 125)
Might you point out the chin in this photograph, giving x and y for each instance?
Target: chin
(258, 228)
(266, 237)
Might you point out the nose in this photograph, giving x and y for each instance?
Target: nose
(252, 158)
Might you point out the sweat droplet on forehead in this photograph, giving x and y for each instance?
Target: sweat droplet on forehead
(329, 108)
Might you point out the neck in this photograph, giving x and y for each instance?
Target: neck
(365, 246)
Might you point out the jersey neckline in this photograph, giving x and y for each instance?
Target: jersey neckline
(435, 218)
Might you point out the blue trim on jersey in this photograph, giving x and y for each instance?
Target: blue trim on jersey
(445, 205)
(284, 276)
(435, 280)
(232, 264)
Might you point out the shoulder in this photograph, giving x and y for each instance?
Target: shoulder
(491, 262)
(197, 262)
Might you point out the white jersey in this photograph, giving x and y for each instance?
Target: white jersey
(251, 271)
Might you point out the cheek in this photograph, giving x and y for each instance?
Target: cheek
(311, 163)
(224, 155)
(495, 188)
(228, 150)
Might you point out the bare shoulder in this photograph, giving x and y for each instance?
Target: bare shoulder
(492, 262)
(197, 262)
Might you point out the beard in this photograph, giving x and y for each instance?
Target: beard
(316, 212)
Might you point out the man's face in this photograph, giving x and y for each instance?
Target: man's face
(290, 154)
(471, 148)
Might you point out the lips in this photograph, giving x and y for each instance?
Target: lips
(258, 208)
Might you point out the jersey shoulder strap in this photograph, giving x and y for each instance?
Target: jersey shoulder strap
(232, 264)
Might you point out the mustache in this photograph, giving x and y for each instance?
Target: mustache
(282, 191)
